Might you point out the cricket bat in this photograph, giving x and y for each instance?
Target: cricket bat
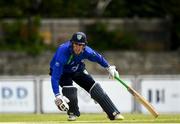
(140, 98)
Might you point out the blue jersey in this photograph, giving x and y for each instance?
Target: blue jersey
(65, 61)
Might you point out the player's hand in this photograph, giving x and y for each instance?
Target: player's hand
(61, 103)
(112, 71)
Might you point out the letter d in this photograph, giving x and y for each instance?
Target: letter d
(6, 93)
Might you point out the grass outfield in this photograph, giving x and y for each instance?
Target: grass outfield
(85, 118)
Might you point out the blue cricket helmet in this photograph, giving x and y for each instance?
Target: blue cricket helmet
(79, 37)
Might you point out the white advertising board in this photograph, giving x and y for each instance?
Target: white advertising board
(17, 96)
(48, 105)
(119, 95)
(47, 96)
(164, 94)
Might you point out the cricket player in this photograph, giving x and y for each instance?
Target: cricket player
(67, 65)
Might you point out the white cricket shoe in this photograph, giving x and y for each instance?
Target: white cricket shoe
(72, 118)
(118, 117)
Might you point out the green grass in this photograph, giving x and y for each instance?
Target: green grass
(85, 118)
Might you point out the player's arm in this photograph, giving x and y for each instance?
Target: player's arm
(96, 57)
(55, 77)
(61, 101)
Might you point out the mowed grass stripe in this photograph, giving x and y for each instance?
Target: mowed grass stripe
(85, 118)
(78, 122)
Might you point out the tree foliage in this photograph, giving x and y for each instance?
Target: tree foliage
(21, 35)
(88, 9)
(83, 8)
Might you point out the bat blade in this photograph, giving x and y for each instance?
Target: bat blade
(144, 102)
(139, 98)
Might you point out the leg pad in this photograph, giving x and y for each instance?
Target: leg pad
(98, 94)
(71, 93)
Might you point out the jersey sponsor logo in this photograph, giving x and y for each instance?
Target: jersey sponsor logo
(74, 68)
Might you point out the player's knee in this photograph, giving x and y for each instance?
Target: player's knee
(70, 92)
(96, 90)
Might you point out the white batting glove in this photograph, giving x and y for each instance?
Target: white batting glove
(112, 71)
(61, 102)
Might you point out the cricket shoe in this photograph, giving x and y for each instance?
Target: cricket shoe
(118, 117)
(72, 117)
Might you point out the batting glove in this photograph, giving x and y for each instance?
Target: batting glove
(112, 71)
(61, 103)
